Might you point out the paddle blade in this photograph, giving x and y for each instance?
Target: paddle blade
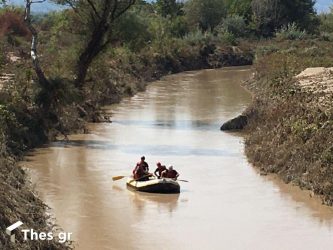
(116, 178)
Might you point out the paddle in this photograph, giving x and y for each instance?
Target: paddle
(119, 177)
(183, 180)
(174, 179)
(116, 178)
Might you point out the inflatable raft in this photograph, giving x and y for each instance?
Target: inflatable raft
(161, 186)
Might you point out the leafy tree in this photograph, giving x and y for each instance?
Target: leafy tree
(98, 17)
(301, 12)
(270, 15)
(206, 14)
(326, 22)
(239, 8)
(95, 19)
(168, 8)
(133, 30)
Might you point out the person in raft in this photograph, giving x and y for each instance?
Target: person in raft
(141, 170)
(159, 170)
(144, 164)
(138, 171)
(170, 173)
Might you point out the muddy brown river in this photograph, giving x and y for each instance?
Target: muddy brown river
(225, 205)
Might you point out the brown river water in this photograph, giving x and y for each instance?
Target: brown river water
(225, 205)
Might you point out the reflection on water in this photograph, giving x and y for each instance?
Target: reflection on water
(225, 204)
(139, 149)
(161, 202)
(179, 124)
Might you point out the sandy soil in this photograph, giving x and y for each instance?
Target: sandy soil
(318, 81)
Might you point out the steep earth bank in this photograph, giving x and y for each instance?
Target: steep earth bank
(290, 130)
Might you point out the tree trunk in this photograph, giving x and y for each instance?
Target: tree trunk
(95, 45)
(42, 80)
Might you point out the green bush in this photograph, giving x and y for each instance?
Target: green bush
(326, 36)
(197, 37)
(326, 23)
(227, 38)
(290, 32)
(133, 30)
(179, 26)
(233, 24)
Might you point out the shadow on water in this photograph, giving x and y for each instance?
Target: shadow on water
(139, 149)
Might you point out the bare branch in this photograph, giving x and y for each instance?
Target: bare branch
(41, 1)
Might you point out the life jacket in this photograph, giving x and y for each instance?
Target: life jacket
(161, 169)
(171, 174)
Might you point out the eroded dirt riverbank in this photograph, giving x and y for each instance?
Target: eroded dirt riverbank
(290, 130)
(226, 204)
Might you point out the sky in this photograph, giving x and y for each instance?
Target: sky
(321, 6)
(44, 7)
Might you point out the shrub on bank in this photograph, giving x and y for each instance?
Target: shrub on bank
(197, 37)
(290, 32)
(12, 23)
(227, 38)
(233, 24)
